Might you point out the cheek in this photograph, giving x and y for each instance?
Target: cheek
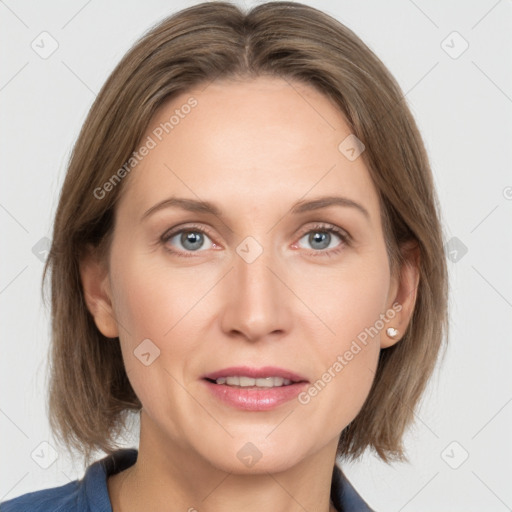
(157, 303)
(352, 301)
(150, 300)
(143, 312)
(153, 306)
(351, 306)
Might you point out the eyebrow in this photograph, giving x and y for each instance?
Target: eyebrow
(197, 206)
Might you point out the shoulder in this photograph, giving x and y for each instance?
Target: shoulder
(56, 499)
(86, 495)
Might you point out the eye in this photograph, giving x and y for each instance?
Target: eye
(320, 237)
(192, 239)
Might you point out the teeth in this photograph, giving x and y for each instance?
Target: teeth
(262, 382)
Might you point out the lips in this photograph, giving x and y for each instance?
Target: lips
(222, 385)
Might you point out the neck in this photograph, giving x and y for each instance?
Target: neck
(169, 476)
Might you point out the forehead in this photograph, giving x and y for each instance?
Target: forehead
(267, 139)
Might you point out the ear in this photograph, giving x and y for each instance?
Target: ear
(98, 296)
(403, 293)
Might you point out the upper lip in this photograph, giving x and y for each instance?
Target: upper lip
(265, 371)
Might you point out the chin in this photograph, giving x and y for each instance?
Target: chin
(255, 457)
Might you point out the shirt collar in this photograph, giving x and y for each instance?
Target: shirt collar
(343, 495)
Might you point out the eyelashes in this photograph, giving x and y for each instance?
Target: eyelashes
(323, 228)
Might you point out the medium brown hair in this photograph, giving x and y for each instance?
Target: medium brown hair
(90, 395)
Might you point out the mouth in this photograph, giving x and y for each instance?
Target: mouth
(245, 376)
(254, 389)
(242, 381)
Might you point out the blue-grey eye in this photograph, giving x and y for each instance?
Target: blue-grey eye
(189, 240)
(320, 240)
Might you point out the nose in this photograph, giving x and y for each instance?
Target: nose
(257, 301)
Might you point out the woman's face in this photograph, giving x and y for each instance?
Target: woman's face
(262, 282)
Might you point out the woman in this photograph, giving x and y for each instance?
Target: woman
(247, 252)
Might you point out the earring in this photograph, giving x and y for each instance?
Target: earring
(391, 332)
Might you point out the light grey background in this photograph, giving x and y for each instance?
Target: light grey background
(463, 106)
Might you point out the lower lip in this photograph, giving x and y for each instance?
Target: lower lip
(255, 399)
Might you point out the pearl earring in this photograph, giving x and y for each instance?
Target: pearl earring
(391, 332)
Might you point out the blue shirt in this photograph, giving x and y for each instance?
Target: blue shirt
(90, 494)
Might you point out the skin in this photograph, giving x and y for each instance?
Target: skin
(253, 148)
